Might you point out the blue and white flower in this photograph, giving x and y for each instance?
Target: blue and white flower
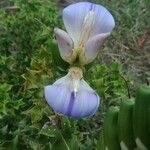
(72, 96)
(88, 25)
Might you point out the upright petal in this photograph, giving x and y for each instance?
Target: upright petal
(65, 44)
(104, 22)
(92, 48)
(80, 16)
(73, 17)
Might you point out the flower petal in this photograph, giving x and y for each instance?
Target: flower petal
(87, 101)
(65, 44)
(92, 47)
(77, 105)
(104, 22)
(86, 104)
(57, 96)
(75, 16)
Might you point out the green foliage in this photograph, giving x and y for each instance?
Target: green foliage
(111, 138)
(141, 115)
(23, 32)
(8, 106)
(125, 126)
(109, 81)
(9, 109)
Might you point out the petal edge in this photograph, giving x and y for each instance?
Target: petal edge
(65, 44)
(92, 47)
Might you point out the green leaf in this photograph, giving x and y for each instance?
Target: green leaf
(49, 131)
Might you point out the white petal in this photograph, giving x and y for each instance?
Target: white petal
(92, 47)
(76, 18)
(65, 44)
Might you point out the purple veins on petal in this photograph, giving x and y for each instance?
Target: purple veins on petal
(61, 97)
(71, 103)
(86, 104)
(75, 14)
(104, 21)
(83, 21)
(57, 97)
(73, 17)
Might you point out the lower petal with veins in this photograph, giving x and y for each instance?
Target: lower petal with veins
(64, 100)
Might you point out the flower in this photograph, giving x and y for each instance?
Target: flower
(88, 25)
(72, 96)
